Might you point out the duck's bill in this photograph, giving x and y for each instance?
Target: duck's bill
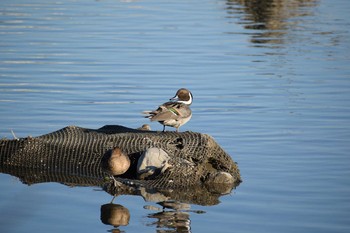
(174, 99)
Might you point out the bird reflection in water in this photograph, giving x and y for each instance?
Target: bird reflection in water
(173, 217)
(269, 20)
(115, 215)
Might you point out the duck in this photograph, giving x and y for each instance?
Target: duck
(118, 162)
(175, 112)
(115, 163)
(145, 127)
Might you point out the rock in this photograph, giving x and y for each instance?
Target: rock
(220, 182)
(151, 160)
(221, 178)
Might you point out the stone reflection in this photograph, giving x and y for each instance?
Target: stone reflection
(271, 19)
(174, 216)
(174, 210)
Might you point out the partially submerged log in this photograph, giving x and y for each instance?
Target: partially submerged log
(194, 159)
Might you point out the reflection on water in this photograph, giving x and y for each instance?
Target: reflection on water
(270, 19)
(115, 215)
(172, 216)
(177, 200)
(177, 219)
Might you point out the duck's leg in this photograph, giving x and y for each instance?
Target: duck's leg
(113, 198)
(115, 182)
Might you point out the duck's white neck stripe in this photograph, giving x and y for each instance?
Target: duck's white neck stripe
(188, 102)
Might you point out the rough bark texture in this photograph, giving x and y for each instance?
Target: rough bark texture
(75, 151)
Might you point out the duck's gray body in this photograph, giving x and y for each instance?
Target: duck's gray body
(75, 151)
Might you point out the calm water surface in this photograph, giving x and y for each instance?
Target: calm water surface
(271, 84)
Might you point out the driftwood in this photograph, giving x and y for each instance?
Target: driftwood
(199, 170)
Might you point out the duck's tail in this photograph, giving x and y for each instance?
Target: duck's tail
(149, 114)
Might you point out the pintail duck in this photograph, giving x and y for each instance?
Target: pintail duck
(118, 162)
(115, 162)
(145, 127)
(174, 113)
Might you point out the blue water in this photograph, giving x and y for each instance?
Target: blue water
(271, 84)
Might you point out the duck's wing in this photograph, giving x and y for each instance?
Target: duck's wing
(166, 111)
(184, 111)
